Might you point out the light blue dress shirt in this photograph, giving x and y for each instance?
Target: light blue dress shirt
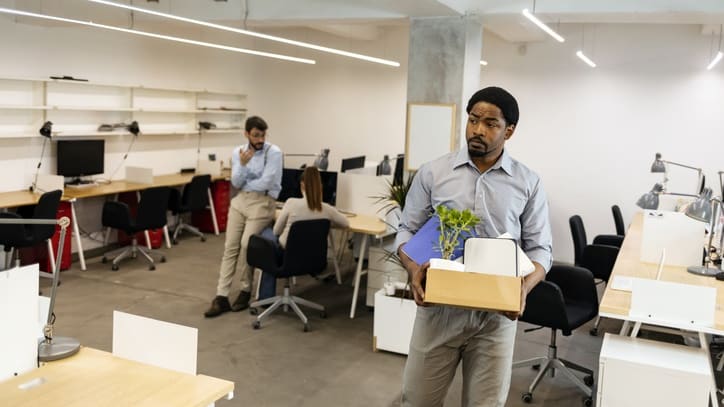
(508, 197)
(263, 172)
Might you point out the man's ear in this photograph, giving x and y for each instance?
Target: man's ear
(509, 131)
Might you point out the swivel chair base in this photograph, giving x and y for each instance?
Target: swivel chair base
(133, 251)
(286, 300)
(552, 363)
(181, 226)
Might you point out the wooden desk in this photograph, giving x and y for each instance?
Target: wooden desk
(93, 377)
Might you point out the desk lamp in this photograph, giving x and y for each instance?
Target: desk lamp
(322, 160)
(133, 128)
(660, 166)
(46, 131)
(51, 348)
(650, 200)
(705, 209)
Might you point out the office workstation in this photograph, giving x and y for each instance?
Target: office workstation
(589, 133)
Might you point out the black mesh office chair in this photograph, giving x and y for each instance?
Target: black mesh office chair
(13, 237)
(305, 253)
(598, 257)
(618, 220)
(150, 214)
(195, 197)
(564, 301)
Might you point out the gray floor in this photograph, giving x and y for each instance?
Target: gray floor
(279, 365)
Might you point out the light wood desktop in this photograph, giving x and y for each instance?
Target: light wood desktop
(93, 377)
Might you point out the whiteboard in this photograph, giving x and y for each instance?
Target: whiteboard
(430, 133)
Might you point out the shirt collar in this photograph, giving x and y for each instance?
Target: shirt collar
(505, 162)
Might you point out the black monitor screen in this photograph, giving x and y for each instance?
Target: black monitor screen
(352, 163)
(399, 169)
(292, 189)
(77, 158)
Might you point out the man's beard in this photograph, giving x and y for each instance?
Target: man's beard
(478, 153)
(257, 146)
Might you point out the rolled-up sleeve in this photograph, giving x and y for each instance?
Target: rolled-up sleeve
(418, 205)
(536, 236)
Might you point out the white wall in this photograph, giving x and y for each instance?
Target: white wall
(592, 133)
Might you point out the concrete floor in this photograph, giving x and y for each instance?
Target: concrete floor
(280, 365)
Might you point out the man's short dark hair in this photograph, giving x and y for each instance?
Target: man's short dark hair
(255, 122)
(500, 98)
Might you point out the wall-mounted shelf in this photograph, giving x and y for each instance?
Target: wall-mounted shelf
(78, 108)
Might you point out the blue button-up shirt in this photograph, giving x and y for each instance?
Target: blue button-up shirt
(263, 172)
(508, 197)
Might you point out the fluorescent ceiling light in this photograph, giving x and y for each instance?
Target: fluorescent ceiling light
(715, 61)
(540, 25)
(159, 36)
(585, 59)
(483, 62)
(251, 33)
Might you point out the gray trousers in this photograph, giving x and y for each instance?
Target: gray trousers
(441, 338)
(249, 214)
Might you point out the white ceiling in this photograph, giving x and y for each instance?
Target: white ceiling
(362, 19)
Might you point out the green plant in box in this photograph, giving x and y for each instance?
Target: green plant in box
(454, 224)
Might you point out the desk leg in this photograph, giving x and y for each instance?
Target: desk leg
(358, 274)
(213, 212)
(166, 236)
(76, 232)
(624, 328)
(334, 259)
(148, 239)
(712, 391)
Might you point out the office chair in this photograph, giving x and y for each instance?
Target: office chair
(598, 257)
(305, 253)
(618, 220)
(195, 197)
(14, 237)
(564, 301)
(151, 214)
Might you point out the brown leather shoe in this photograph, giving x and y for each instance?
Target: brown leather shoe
(242, 301)
(219, 305)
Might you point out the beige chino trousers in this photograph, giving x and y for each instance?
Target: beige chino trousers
(249, 213)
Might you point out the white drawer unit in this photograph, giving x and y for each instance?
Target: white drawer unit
(394, 320)
(639, 372)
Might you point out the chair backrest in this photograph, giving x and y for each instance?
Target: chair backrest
(618, 220)
(195, 196)
(10, 235)
(578, 233)
(152, 208)
(47, 208)
(306, 249)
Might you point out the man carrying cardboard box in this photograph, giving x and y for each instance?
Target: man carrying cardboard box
(508, 197)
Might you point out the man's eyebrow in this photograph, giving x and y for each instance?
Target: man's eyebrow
(491, 119)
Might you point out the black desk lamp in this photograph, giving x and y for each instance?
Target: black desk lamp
(46, 131)
(650, 200)
(134, 129)
(660, 166)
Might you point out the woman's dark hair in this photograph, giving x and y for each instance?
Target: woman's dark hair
(312, 188)
(255, 122)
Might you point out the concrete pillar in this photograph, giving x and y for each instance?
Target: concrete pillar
(444, 62)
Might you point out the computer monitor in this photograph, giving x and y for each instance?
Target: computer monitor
(80, 158)
(397, 178)
(291, 188)
(352, 163)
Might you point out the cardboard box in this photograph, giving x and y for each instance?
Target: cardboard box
(473, 290)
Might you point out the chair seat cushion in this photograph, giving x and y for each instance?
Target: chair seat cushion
(578, 314)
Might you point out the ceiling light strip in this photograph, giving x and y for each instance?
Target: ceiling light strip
(250, 33)
(159, 36)
(540, 25)
(483, 62)
(585, 59)
(715, 61)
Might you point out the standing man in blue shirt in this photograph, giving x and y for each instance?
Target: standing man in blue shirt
(256, 170)
(508, 197)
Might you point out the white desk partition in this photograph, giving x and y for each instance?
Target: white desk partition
(154, 342)
(674, 304)
(355, 193)
(681, 237)
(141, 175)
(19, 320)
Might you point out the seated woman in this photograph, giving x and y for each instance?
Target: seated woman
(307, 208)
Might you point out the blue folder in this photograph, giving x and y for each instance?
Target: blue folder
(424, 245)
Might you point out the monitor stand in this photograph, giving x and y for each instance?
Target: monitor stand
(79, 181)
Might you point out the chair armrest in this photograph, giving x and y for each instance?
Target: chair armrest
(261, 253)
(576, 283)
(116, 215)
(545, 305)
(599, 260)
(609, 240)
(11, 234)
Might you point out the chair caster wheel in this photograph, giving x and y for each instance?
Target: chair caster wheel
(593, 332)
(306, 327)
(253, 311)
(114, 267)
(152, 267)
(588, 380)
(163, 259)
(203, 239)
(527, 397)
(323, 314)
(256, 325)
(588, 402)
(535, 367)
(104, 260)
(174, 242)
